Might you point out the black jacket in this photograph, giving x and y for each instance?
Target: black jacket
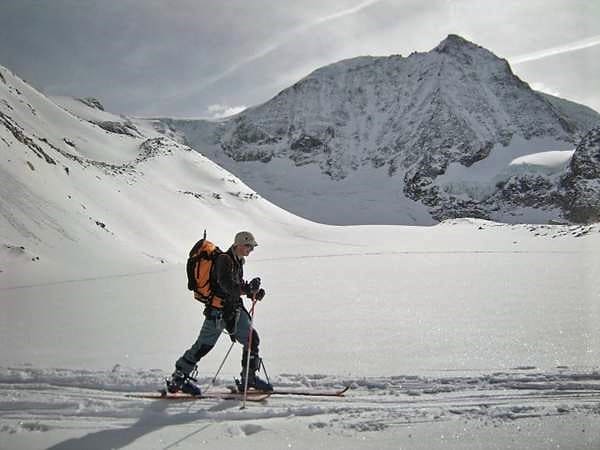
(228, 279)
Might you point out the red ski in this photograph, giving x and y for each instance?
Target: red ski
(317, 392)
(311, 392)
(252, 396)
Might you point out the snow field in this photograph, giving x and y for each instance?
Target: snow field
(468, 334)
(519, 407)
(434, 360)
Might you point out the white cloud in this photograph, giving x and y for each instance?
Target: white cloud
(570, 47)
(287, 37)
(220, 111)
(279, 41)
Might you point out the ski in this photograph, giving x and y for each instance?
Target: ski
(299, 391)
(312, 392)
(161, 395)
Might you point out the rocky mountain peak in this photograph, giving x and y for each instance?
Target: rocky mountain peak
(454, 44)
(406, 118)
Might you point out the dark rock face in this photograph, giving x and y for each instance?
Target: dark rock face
(581, 184)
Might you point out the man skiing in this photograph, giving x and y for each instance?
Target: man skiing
(225, 311)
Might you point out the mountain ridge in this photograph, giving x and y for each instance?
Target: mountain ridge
(411, 117)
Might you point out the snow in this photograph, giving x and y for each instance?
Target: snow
(523, 409)
(480, 180)
(467, 334)
(311, 190)
(552, 161)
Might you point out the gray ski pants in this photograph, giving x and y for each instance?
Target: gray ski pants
(211, 330)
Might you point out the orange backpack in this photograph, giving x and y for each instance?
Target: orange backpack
(199, 268)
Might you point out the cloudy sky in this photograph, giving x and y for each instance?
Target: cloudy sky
(207, 58)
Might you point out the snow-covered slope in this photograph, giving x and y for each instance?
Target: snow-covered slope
(81, 186)
(370, 135)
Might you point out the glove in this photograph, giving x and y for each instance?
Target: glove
(254, 285)
(260, 294)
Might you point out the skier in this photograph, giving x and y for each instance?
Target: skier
(225, 312)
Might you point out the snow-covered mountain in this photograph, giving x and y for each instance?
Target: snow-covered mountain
(90, 189)
(366, 140)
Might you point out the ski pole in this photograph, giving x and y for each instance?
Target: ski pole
(248, 352)
(231, 334)
(222, 363)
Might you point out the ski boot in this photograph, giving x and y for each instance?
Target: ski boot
(181, 382)
(254, 381)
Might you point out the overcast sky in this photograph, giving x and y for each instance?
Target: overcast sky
(202, 58)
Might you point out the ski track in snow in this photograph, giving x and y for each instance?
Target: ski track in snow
(39, 400)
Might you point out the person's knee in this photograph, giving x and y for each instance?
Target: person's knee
(255, 340)
(243, 339)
